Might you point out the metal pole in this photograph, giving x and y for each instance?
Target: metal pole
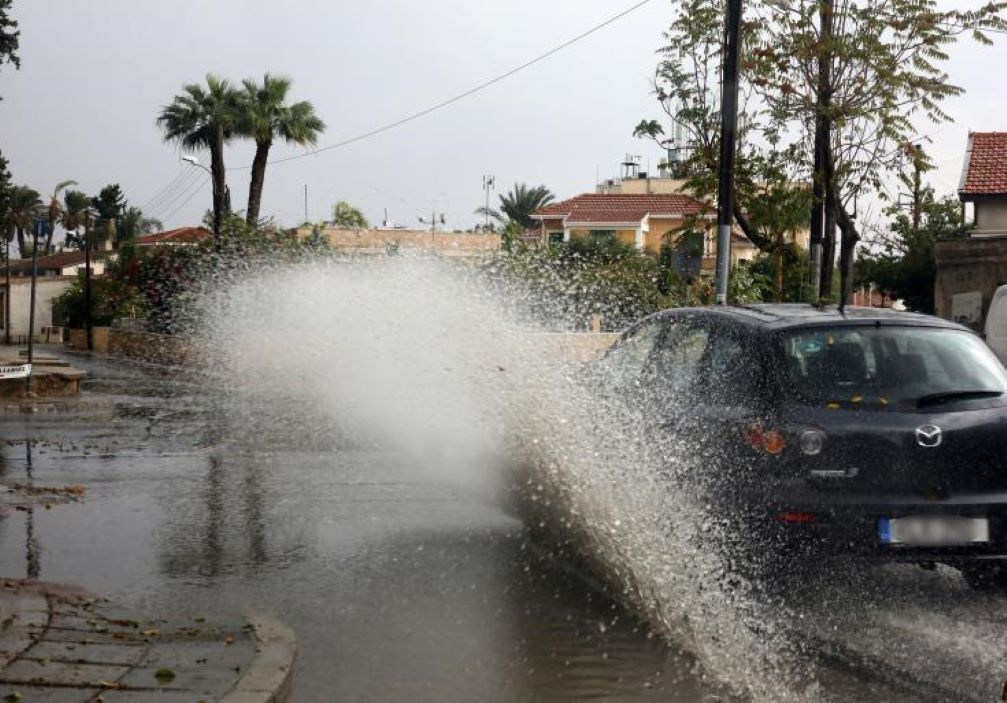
(728, 136)
(31, 310)
(6, 297)
(305, 203)
(87, 279)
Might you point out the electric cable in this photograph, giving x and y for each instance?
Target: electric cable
(202, 182)
(460, 96)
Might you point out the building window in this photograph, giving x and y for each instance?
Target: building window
(555, 237)
(603, 236)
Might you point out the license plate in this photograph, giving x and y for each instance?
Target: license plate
(933, 530)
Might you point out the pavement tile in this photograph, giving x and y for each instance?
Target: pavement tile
(24, 602)
(88, 653)
(83, 636)
(94, 623)
(154, 697)
(25, 670)
(212, 655)
(43, 694)
(14, 641)
(212, 681)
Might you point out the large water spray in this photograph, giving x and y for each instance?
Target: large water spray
(425, 358)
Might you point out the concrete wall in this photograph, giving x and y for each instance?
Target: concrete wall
(156, 348)
(48, 288)
(991, 218)
(969, 265)
(378, 241)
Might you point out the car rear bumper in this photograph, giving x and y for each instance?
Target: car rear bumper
(838, 523)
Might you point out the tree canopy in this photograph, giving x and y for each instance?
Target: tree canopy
(345, 216)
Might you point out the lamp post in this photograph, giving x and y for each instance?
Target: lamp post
(6, 297)
(434, 218)
(728, 136)
(193, 160)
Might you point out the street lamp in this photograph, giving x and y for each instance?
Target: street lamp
(193, 160)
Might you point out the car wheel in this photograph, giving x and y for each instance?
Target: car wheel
(985, 577)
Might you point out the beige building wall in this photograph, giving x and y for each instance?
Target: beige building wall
(991, 218)
(380, 241)
(48, 288)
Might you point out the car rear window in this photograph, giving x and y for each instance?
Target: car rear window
(876, 367)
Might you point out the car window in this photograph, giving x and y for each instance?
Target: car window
(735, 370)
(626, 361)
(874, 367)
(677, 362)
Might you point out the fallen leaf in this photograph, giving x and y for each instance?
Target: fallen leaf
(111, 685)
(229, 640)
(12, 697)
(151, 633)
(164, 675)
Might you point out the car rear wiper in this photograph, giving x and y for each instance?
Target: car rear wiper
(945, 396)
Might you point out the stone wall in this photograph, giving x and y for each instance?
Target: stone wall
(969, 265)
(156, 348)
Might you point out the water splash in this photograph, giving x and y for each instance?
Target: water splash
(426, 358)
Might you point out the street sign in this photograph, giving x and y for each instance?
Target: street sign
(14, 371)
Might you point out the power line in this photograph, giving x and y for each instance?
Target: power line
(185, 202)
(171, 193)
(459, 96)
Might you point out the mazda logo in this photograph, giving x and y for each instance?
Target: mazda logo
(929, 436)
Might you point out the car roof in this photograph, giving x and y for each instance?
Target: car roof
(773, 316)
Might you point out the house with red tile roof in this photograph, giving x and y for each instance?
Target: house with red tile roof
(181, 237)
(969, 271)
(984, 182)
(639, 219)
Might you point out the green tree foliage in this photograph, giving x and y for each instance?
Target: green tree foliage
(25, 208)
(264, 116)
(566, 285)
(73, 217)
(345, 216)
(205, 117)
(885, 61)
(6, 188)
(54, 212)
(519, 204)
(901, 260)
(10, 36)
(110, 205)
(112, 297)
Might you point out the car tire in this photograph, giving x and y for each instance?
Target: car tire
(985, 576)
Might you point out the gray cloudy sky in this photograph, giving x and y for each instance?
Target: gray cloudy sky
(94, 75)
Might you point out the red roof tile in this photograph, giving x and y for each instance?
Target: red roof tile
(182, 235)
(52, 262)
(621, 207)
(985, 165)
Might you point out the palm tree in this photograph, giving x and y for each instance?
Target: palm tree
(265, 116)
(55, 211)
(519, 204)
(25, 208)
(205, 118)
(74, 213)
(345, 216)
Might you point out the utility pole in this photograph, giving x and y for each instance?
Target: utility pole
(305, 203)
(87, 277)
(822, 176)
(728, 136)
(488, 184)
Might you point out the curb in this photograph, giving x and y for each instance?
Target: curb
(268, 678)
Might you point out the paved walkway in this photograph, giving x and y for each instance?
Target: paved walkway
(59, 644)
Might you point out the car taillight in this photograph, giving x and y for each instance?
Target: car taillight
(769, 441)
(794, 517)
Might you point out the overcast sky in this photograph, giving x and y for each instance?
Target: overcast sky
(94, 75)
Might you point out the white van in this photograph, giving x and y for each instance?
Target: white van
(996, 324)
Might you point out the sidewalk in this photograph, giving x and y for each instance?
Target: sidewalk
(59, 644)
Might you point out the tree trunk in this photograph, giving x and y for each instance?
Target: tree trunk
(21, 246)
(828, 240)
(257, 182)
(219, 177)
(780, 258)
(850, 237)
(50, 233)
(761, 242)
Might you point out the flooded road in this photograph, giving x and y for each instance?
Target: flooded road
(398, 587)
(408, 586)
